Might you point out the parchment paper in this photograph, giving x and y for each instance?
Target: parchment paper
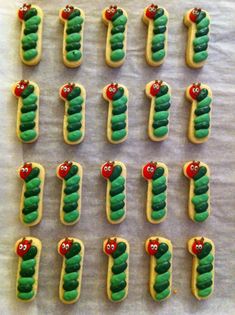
(94, 74)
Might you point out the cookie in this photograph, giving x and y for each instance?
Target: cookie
(203, 251)
(156, 18)
(73, 19)
(115, 174)
(117, 126)
(116, 20)
(72, 250)
(31, 204)
(29, 251)
(198, 23)
(160, 279)
(27, 126)
(31, 17)
(118, 251)
(199, 190)
(160, 94)
(156, 174)
(74, 96)
(200, 96)
(70, 205)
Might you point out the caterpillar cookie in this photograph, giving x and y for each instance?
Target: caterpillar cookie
(115, 174)
(117, 127)
(73, 19)
(31, 17)
(70, 205)
(200, 96)
(72, 250)
(116, 20)
(203, 251)
(118, 252)
(74, 96)
(198, 23)
(156, 174)
(29, 251)
(160, 94)
(199, 190)
(156, 48)
(27, 126)
(160, 279)
(31, 204)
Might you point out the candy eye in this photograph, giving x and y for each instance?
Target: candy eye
(200, 246)
(196, 168)
(155, 246)
(26, 169)
(108, 11)
(152, 246)
(108, 246)
(112, 246)
(112, 10)
(156, 86)
(21, 246)
(192, 167)
(25, 8)
(24, 247)
(63, 245)
(18, 86)
(152, 169)
(65, 168)
(106, 168)
(22, 87)
(109, 168)
(67, 246)
(64, 89)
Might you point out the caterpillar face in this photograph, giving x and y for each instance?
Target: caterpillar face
(23, 247)
(67, 88)
(153, 246)
(195, 90)
(111, 246)
(65, 168)
(67, 11)
(155, 88)
(26, 170)
(194, 14)
(107, 169)
(151, 11)
(149, 169)
(109, 13)
(20, 87)
(65, 246)
(21, 13)
(197, 246)
(192, 169)
(111, 90)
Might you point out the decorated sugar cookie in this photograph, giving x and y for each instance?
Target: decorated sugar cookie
(31, 204)
(116, 20)
(115, 174)
(72, 251)
(160, 279)
(31, 17)
(198, 23)
(157, 20)
(27, 126)
(29, 251)
(160, 94)
(118, 251)
(73, 19)
(156, 174)
(200, 96)
(70, 205)
(117, 126)
(74, 96)
(199, 190)
(203, 251)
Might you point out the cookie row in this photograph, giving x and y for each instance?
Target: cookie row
(117, 95)
(116, 18)
(71, 173)
(117, 249)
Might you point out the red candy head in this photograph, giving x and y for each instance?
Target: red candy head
(111, 90)
(66, 89)
(149, 169)
(109, 13)
(107, 169)
(110, 246)
(65, 246)
(67, 11)
(195, 90)
(65, 168)
(192, 169)
(23, 10)
(155, 88)
(197, 246)
(23, 247)
(20, 87)
(153, 246)
(151, 11)
(25, 170)
(194, 14)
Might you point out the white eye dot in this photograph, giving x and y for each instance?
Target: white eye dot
(105, 168)
(64, 89)
(25, 247)
(152, 246)
(21, 246)
(200, 246)
(152, 169)
(155, 246)
(108, 246)
(112, 246)
(63, 245)
(148, 168)
(26, 169)
(65, 168)
(110, 89)
(25, 8)
(67, 246)
(22, 87)
(192, 168)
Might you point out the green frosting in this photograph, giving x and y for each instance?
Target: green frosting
(200, 43)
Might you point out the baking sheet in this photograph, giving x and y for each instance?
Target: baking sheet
(50, 150)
